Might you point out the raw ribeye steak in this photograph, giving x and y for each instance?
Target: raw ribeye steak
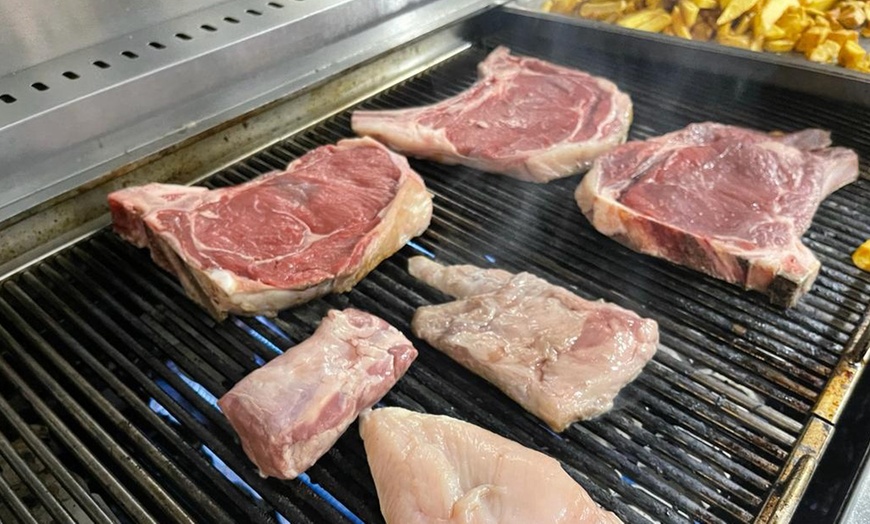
(561, 357)
(289, 412)
(285, 237)
(727, 201)
(524, 117)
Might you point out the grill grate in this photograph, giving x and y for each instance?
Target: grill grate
(108, 374)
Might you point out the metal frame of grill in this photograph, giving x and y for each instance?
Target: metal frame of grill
(108, 373)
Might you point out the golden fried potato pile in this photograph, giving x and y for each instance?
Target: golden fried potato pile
(825, 31)
(861, 256)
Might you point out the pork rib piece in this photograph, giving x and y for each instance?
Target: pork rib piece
(559, 356)
(289, 412)
(436, 469)
(284, 238)
(727, 201)
(524, 117)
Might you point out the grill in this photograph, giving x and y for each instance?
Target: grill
(108, 374)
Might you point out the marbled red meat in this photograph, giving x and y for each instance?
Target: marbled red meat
(283, 238)
(524, 117)
(728, 201)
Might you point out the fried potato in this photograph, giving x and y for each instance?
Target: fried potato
(602, 10)
(775, 33)
(852, 55)
(689, 11)
(734, 9)
(654, 20)
(779, 46)
(702, 31)
(741, 41)
(744, 24)
(812, 38)
(842, 36)
(821, 5)
(824, 53)
(679, 25)
(861, 256)
(794, 22)
(773, 10)
(824, 31)
(851, 15)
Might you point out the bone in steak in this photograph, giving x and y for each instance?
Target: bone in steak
(289, 412)
(524, 117)
(727, 201)
(432, 469)
(559, 356)
(283, 238)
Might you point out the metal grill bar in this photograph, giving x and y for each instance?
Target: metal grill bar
(102, 348)
(61, 432)
(214, 512)
(44, 454)
(166, 468)
(21, 512)
(117, 451)
(23, 472)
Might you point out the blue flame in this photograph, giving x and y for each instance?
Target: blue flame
(420, 249)
(329, 498)
(158, 408)
(230, 475)
(197, 388)
(259, 338)
(626, 480)
(273, 328)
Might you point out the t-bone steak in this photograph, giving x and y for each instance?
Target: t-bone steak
(727, 201)
(524, 117)
(284, 238)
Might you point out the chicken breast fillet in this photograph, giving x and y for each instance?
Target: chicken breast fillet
(431, 469)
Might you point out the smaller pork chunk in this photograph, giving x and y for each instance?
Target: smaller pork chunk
(724, 200)
(431, 469)
(561, 357)
(283, 238)
(524, 117)
(289, 412)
